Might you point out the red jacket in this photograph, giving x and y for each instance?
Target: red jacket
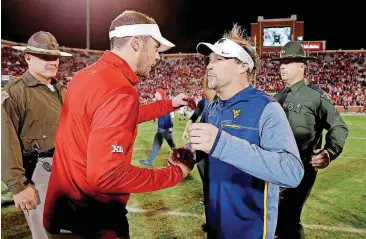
(94, 143)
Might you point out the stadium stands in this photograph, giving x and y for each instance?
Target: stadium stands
(341, 74)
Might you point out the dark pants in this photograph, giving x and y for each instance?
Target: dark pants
(106, 234)
(88, 219)
(160, 135)
(103, 235)
(202, 167)
(291, 204)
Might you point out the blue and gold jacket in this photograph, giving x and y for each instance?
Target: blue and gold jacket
(254, 154)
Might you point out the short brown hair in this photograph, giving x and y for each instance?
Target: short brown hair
(238, 35)
(128, 17)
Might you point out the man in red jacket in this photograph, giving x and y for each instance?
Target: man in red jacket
(92, 176)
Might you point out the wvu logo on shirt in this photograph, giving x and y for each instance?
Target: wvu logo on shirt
(236, 113)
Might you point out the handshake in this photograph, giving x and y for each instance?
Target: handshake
(182, 157)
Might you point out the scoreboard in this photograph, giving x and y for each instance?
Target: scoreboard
(270, 35)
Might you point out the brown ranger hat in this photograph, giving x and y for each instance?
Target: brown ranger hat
(293, 50)
(42, 43)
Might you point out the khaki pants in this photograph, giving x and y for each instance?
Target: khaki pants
(35, 217)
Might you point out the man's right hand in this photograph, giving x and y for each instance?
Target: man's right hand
(27, 199)
(182, 158)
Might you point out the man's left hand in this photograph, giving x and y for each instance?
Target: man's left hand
(203, 136)
(320, 159)
(180, 100)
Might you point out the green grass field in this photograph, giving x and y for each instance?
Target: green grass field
(337, 201)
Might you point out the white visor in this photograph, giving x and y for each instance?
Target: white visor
(142, 30)
(226, 48)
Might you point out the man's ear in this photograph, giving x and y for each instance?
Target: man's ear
(243, 68)
(136, 43)
(27, 58)
(303, 66)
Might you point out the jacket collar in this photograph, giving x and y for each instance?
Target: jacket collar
(30, 81)
(116, 61)
(243, 95)
(295, 87)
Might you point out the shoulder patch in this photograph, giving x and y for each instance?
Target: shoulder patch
(4, 95)
(314, 87)
(326, 97)
(322, 93)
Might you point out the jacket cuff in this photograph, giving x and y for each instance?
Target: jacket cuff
(180, 172)
(217, 147)
(19, 185)
(334, 152)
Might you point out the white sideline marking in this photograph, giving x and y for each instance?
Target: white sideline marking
(342, 229)
(136, 210)
(183, 214)
(355, 137)
(310, 226)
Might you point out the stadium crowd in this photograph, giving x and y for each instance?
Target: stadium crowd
(341, 74)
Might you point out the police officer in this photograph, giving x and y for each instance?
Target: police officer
(309, 110)
(30, 116)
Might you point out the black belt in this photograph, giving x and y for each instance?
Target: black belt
(46, 154)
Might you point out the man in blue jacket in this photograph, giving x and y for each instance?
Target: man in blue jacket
(165, 131)
(246, 142)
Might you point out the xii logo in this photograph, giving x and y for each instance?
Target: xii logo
(117, 149)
